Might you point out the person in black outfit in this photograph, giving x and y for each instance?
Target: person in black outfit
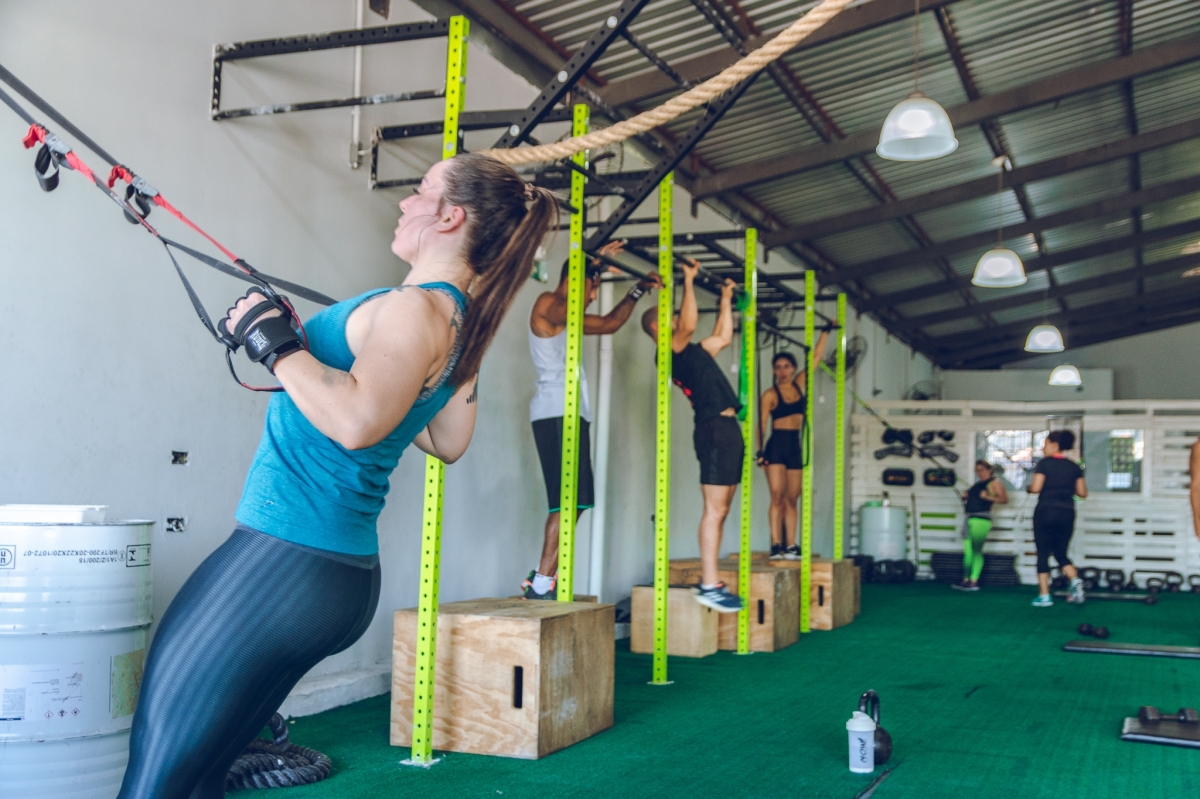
(718, 436)
(1057, 480)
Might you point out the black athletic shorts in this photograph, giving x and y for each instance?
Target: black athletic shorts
(720, 449)
(1052, 529)
(783, 447)
(548, 435)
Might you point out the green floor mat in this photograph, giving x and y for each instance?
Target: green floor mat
(976, 692)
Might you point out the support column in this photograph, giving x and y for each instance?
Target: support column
(662, 433)
(749, 367)
(569, 485)
(810, 382)
(839, 453)
(435, 470)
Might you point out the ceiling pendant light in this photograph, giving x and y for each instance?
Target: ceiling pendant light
(999, 267)
(1044, 338)
(917, 129)
(1065, 375)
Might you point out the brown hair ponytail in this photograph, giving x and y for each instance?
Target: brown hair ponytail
(501, 239)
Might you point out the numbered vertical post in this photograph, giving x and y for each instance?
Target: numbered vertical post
(749, 369)
(662, 434)
(810, 390)
(435, 470)
(839, 453)
(576, 281)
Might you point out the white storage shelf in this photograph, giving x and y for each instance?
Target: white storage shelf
(1150, 530)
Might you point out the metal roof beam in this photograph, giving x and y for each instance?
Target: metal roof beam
(1051, 260)
(1186, 314)
(1047, 90)
(1063, 290)
(1094, 210)
(986, 186)
(849, 22)
(964, 346)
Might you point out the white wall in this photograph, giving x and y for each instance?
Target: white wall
(1158, 365)
(107, 370)
(1024, 385)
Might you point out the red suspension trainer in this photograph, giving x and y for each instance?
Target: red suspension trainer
(139, 195)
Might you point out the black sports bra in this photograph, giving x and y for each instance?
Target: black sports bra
(783, 409)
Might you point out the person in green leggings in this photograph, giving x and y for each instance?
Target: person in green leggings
(979, 498)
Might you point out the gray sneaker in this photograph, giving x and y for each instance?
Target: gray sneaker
(1076, 595)
(718, 598)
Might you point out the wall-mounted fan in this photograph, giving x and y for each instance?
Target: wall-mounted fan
(856, 351)
(924, 390)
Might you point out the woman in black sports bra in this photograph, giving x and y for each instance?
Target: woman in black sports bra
(781, 458)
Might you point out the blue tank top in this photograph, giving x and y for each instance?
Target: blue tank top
(306, 488)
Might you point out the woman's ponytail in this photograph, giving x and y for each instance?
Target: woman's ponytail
(506, 222)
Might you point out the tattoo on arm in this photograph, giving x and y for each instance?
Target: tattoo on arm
(474, 392)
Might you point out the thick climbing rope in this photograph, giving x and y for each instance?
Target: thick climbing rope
(680, 104)
(277, 763)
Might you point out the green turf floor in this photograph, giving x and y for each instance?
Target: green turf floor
(976, 692)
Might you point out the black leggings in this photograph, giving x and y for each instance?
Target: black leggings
(1052, 529)
(251, 620)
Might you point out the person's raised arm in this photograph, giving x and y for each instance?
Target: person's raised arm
(722, 335)
(689, 314)
(595, 325)
(818, 353)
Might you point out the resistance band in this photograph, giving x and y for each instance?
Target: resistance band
(139, 196)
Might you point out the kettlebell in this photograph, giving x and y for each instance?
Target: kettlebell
(869, 703)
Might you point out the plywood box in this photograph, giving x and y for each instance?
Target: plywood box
(691, 627)
(774, 608)
(514, 677)
(684, 571)
(834, 593)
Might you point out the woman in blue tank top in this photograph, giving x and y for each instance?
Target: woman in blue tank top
(299, 578)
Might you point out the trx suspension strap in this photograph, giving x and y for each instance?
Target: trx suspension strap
(139, 197)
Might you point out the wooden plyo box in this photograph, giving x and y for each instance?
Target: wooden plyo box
(774, 601)
(774, 608)
(835, 593)
(514, 677)
(691, 627)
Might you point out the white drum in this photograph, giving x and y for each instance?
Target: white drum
(883, 532)
(74, 624)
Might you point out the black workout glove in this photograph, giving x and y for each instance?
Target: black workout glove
(266, 339)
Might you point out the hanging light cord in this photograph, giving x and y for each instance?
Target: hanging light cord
(916, 45)
(1000, 207)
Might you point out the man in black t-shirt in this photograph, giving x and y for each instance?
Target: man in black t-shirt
(718, 436)
(1057, 480)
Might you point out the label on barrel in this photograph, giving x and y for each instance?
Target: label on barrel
(8, 556)
(41, 692)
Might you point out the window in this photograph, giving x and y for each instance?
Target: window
(1115, 460)
(1013, 452)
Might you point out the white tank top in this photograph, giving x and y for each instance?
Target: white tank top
(550, 361)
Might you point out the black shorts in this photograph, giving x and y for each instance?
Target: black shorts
(783, 447)
(1052, 529)
(720, 449)
(547, 433)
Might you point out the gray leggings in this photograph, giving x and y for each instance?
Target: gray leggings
(251, 620)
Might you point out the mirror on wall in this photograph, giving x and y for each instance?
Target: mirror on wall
(1115, 460)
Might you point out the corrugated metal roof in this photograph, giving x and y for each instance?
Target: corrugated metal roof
(857, 78)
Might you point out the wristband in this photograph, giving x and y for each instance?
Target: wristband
(637, 292)
(266, 339)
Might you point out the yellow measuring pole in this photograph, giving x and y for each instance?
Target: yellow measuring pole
(749, 365)
(810, 382)
(662, 432)
(569, 485)
(839, 454)
(435, 470)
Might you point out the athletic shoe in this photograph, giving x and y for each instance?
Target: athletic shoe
(718, 598)
(527, 588)
(792, 553)
(777, 552)
(966, 585)
(1076, 595)
(1042, 601)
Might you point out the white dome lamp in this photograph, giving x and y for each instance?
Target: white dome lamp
(917, 129)
(1065, 375)
(1044, 338)
(999, 267)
